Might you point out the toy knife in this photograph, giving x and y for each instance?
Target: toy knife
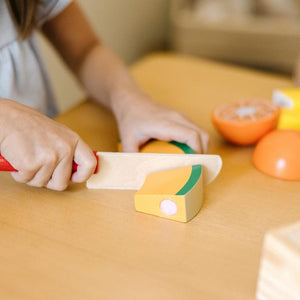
(119, 170)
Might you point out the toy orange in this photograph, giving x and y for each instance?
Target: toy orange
(278, 154)
(245, 122)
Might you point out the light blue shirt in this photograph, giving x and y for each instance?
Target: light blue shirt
(23, 76)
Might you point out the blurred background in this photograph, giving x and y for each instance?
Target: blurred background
(261, 34)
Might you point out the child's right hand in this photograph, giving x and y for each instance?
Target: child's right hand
(41, 149)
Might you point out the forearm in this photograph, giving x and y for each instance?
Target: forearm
(107, 79)
(103, 75)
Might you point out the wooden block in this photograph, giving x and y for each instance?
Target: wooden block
(279, 276)
(175, 194)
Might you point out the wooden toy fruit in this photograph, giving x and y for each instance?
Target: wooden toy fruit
(278, 154)
(176, 193)
(289, 102)
(245, 122)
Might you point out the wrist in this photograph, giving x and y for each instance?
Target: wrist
(126, 99)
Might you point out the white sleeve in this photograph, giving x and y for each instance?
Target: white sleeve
(48, 9)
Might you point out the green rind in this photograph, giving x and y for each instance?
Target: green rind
(194, 177)
(185, 148)
(196, 169)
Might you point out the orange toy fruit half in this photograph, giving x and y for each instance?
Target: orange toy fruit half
(278, 154)
(245, 122)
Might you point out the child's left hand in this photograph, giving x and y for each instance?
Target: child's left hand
(141, 120)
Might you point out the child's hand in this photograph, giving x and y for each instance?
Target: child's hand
(41, 149)
(143, 120)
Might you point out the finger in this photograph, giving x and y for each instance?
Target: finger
(25, 164)
(27, 169)
(204, 140)
(179, 133)
(130, 144)
(86, 161)
(48, 164)
(61, 175)
(203, 134)
(42, 176)
(23, 176)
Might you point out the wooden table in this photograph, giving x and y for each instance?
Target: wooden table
(91, 244)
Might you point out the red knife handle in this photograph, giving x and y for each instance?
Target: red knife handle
(6, 166)
(74, 166)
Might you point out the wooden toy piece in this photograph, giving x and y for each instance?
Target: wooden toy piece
(279, 275)
(175, 194)
(277, 154)
(156, 146)
(289, 102)
(246, 121)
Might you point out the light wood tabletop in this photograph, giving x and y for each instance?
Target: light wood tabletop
(92, 244)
